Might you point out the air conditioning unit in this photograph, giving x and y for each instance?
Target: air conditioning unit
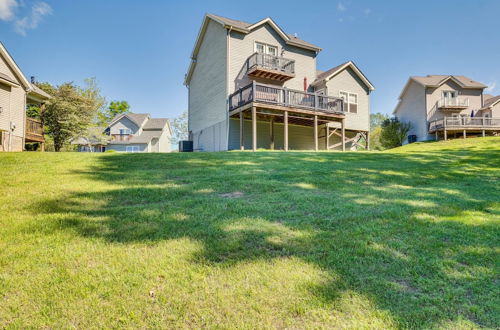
(412, 138)
(185, 146)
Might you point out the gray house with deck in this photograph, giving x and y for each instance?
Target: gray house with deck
(251, 85)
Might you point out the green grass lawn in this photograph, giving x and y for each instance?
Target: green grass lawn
(401, 239)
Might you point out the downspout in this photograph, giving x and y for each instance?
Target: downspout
(25, 117)
(228, 62)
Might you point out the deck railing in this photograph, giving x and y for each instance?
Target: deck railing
(464, 122)
(256, 92)
(453, 102)
(34, 127)
(271, 62)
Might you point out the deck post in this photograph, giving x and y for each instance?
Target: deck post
(254, 128)
(271, 133)
(367, 140)
(285, 122)
(465, 134)
(343, 134)
(436, 135)
(242, 142)
(327, 147)
(484, 133)
(315, 132)
(444, 129)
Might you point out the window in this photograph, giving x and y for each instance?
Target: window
(449, 94)
(125, 131)
(350, 101)
(132, 149)
(266, 49)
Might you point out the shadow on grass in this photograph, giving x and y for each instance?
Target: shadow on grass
(413, 232)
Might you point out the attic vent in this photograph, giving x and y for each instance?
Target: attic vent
(295, 35)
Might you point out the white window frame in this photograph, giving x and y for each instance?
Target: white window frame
(347, 103)
(128, 130)
(132, 149)
(453, 93)
(266, 48)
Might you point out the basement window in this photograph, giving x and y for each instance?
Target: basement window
(132, 149)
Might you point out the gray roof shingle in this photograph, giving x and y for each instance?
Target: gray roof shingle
(434, 80)
(490, 100)
(155, 124)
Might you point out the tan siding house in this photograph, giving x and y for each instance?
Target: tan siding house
(15, 93)
(440, 106)
(254, 86)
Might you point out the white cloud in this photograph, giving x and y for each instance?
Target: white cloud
(341, 6)
(367, 11)
(491, 86)
(7, 9)
(30, 22)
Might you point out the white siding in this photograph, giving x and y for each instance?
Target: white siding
(412, 109)
(348, 81)
(124, 123)
(207, 88)
(164, 141)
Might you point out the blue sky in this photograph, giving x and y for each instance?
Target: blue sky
(139, 50)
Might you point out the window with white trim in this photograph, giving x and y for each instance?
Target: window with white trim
(449, 94)
(263, 48)
(125, 131)
(132, 149)
(350, 101)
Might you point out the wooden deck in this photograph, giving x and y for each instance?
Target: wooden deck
(464, 125)
(281, 105)
(270, 67)
(34, 130)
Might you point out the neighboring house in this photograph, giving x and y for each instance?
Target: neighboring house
(255, 86)
(445, 106)
(16, 93)
(133, 132)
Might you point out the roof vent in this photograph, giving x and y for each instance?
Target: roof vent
(295, 35)
(33, 80)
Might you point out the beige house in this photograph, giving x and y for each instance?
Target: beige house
(440, 106)
(16, 93)
(138, 132)
(252, 85)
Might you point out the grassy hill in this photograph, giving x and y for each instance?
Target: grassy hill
(407, 238)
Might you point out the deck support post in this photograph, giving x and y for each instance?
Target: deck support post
(343, 134)
(327, 145)
(242, 142)
(465, 134)
(367, 140)
(271, 133)
(254, 128)
(483, 133)
(315, 132)
(436, 135)
(285, 122)
(445, 135)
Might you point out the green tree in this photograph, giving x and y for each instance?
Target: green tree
(179, 127)
(376, 119)
(114, 108)
(94, 135)
(393, 133)
(71, 110)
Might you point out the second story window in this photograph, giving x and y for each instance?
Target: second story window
(266, 49)
(449, 94)
(125, 131)
(350, 101)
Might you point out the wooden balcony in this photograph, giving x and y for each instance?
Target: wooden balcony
(284, 97)
(270, 67)
(34, 130)
(464, 126)
(454, 103)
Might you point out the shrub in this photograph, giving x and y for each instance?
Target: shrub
(393, 133)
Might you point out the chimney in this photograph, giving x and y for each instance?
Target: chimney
(33, 79)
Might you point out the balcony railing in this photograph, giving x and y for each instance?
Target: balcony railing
(271, 62)
(453, 102)
(121, 137)
(464, 122)
(34, 130)
(275, 95)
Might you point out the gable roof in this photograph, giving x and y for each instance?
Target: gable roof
(155, 124)
(13, 65)
(7, 80)
(245, 28)
(329, 74)
(491, 101)
(438, 80)
(136, 118)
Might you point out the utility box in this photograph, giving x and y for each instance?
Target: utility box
(185, 146)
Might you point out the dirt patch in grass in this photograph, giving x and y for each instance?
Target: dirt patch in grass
(234, 194)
